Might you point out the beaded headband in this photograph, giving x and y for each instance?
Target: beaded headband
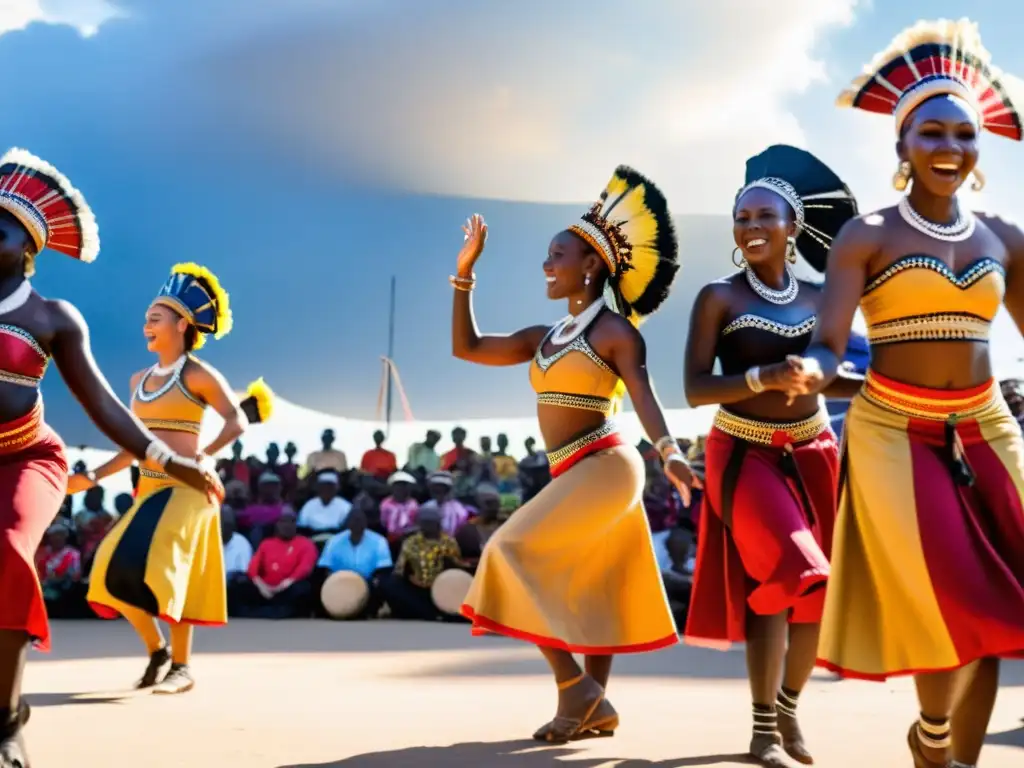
(783, 189)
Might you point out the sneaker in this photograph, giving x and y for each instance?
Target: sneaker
(159, 662)
(178, 680)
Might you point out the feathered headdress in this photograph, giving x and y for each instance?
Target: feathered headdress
(195, 293)
(631, 229)
(43, 200)
(820, 200)
(934, 58)
(258, 404)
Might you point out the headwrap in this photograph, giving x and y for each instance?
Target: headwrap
(820, 200)
(935, 58)
(195, 293)
(630, 227)
(43, 200)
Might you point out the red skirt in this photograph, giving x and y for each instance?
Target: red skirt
(766, 526)
(33, 481)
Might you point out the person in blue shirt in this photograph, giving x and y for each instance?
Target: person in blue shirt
(362, 551)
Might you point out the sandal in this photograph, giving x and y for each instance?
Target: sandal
(159, 664)
(603, 723)
(793, 739)
(562, 730)
(921, 760)
(12, 744)
(770, 753)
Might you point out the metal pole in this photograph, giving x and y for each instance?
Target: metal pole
(391, 354)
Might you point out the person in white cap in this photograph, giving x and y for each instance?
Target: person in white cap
(398, 511)
(327, 511)
(453, 513)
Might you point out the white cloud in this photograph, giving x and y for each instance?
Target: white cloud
(84, 15)
(539, 101)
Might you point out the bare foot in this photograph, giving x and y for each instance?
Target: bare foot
(793, 739)
(769, 752)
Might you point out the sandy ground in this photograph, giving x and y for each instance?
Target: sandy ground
(370, 695)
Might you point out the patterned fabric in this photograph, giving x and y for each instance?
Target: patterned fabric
(425, 558)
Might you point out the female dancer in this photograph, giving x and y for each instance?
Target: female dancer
(164, 558)
(574, 570)
(929, 543)
(40, 209)
(762, 559)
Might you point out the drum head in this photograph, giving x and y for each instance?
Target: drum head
(344, 595)
(450, 589)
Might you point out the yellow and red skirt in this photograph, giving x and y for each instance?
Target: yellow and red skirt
(928, 560)
(574, 568)
(33, 482)
(164, 557)
(766, 527)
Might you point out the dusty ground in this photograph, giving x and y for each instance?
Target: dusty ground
(325, 695)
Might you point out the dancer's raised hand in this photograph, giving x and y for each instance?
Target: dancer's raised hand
(475, 230)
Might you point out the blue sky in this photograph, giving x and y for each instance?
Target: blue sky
(307, 150)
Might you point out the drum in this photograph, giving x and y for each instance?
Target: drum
(450, 589)
(344, 595)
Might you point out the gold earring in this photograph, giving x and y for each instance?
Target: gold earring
(741, 263)
(901, 179)
(979, 180)
(791, 250)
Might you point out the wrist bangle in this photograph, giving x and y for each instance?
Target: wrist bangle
(462, 283)
(678, 457)
(91, 477)
(159, 452)
(666, 446)
(753, 379)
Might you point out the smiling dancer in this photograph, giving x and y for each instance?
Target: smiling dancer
(164, 558)
(574, 570)
(928, 560)
(40, 209)
(772, 466)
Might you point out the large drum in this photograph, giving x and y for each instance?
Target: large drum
(450, 589)
(344, 595)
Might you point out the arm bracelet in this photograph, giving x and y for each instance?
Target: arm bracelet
(753, 378)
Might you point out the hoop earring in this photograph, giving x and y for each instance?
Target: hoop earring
(791, 250)
(741, 263)
(979, 180)
(901, 179)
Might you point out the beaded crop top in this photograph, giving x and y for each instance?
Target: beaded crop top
(169, 407)
(751, 340)
(575, 377)
(919, 298)
(22, 360)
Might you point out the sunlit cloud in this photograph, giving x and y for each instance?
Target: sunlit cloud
(86, 16)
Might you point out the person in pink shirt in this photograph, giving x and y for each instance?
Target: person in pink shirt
(279, 585)
(453, 513)
(398, 511)
(256, 520)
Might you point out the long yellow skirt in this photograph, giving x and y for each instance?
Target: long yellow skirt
(928, 554)
(574, 568)
(164, 557)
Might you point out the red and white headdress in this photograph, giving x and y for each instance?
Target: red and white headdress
(43, 200)
(934, 58)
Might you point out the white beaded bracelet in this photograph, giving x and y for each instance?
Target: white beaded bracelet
(159, 452)
(753, 379)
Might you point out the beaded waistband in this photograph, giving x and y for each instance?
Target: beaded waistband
(173, 425)
(605, 436)
(583, 402)
(23, 431)
(17, 378)
(926, 403)
(774, 433)
(951, 326)
(153, 474)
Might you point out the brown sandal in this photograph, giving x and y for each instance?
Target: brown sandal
(921, 760)
(602, 724)
(562, 730)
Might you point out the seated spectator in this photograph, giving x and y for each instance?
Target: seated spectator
(676, 552)
(473, 535)
(237, 549)
(661, 503)
(453, 513)
(235, 468)
(505, 467)
(398, 511)
(466, 473)
(122, 503)
(90, 529)
(379, 461)
(361, 551)
(326, 512)
(423, 557)
(60, 573)
(258, 519)
(460, 451)
(423, 456)
(237, 495)
(92, 504)
(534, 472)
(279, 576)
(327, 458)
(289, 472)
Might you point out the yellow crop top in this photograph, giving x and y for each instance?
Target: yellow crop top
(919, 298)
(169, 407)
(575, 377)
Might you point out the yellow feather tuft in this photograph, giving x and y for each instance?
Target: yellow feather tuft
(225, 321)
(262, 398)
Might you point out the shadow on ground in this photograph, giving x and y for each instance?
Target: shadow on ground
(510, 754)
(1014, 738)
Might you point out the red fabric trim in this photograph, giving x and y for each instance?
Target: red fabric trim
(482, 626)
(932, 394)
(604, 443)
(853, 674)
(108, 613)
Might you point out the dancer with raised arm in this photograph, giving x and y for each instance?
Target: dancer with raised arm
(40, 209)
(574, 570)
(772, 465)
(163, 560)
(928, 557)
